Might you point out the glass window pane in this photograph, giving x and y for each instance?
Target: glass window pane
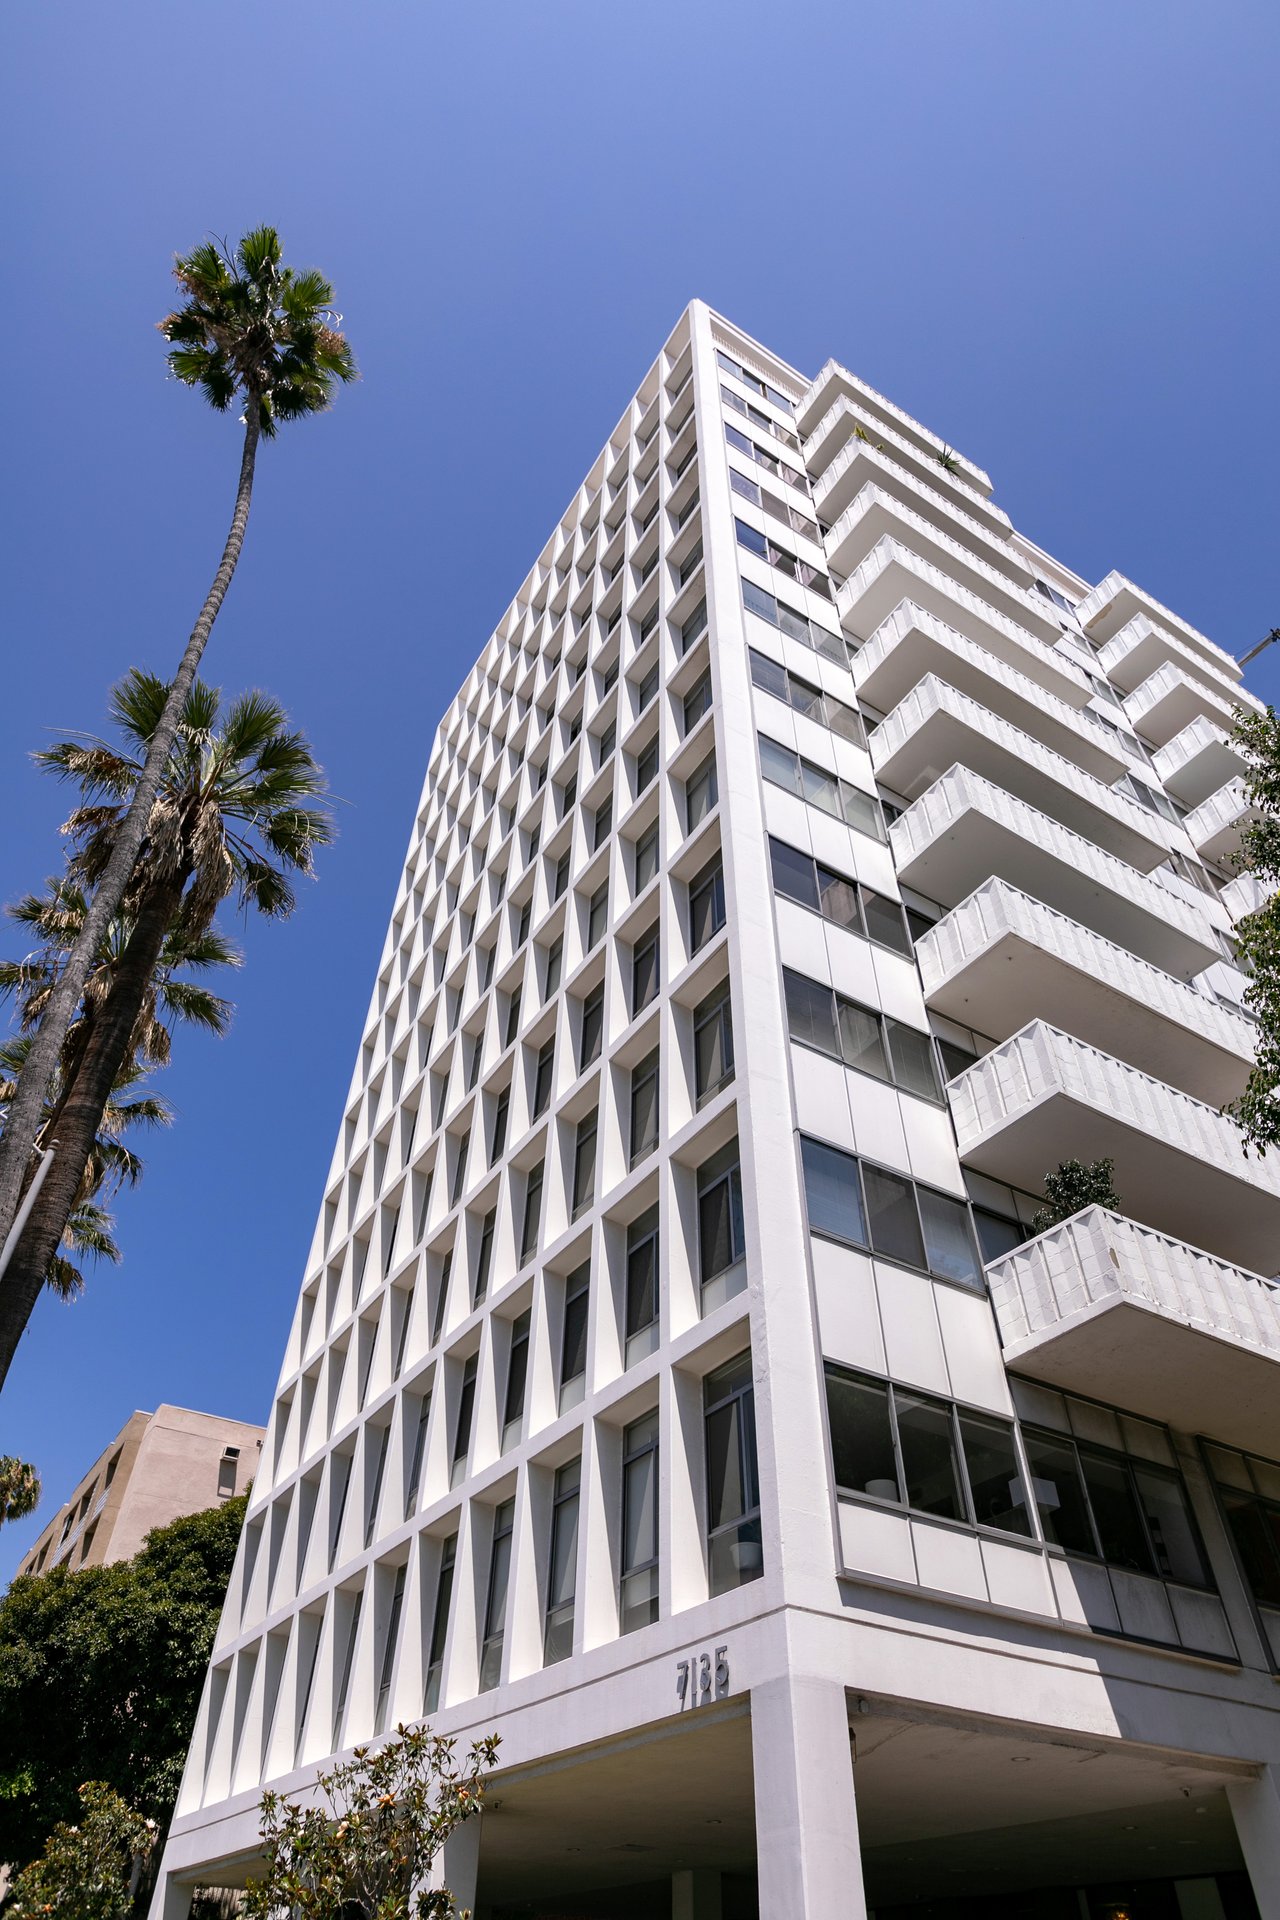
(995, 1480)
(768, 674)
(929, 1456)
(913, 1062)
(646, 858)
(1115, 1510)
(811, 1013)
(997, 1235)
(719, 1226)
(564, 1552)
(642, 1274)
(861, 1436)
(794, 624)
(820, 788)
(862, 1039)
(749, 538)
(891, 1210)
(1059, 1493)
(574, 1357)
(885, 922)
(832, 1193)
(845, 721)
(1169, 1523)
(644, 975)
(640, 1510)
(779, 764)
(725, 1490)
(862, 811)
(793, 874)
(839, 899)
(756, 600)
(948, 1239)
(1256, 1532)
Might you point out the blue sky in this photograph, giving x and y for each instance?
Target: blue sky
(1047, 231)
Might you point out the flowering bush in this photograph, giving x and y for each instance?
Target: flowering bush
(90, 1871)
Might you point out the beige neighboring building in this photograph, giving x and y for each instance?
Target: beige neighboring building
(159, 1466)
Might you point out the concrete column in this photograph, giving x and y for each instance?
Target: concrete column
(807, 1856)
(171, 1899)
(460, 1863)
(1255, 1808)
(695, 1894)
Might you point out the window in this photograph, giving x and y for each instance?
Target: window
(697, 702)
(462, 1425)
(513, 1018)
(542, 1076)
(597, 915)
(701, 793)
(638, 1588)
(339, 1488)
(644, 1107)
(889, 1215)
(641, 1306)
(690, 564)
(416, 1458)
(773, 504)
(783, 767)
(517, 1380)
(375, 1489)
(644, 970)
(462, 1147)
(914, 1450)
(584, 1163)
(486, 968)
(721, 1234)
(592, 1028)
(475, 1047)
(649, 685)
(646, 765)
(762, 457)
(829, 712)
(692, 627)
(735, 1551)
(861, 1037)
(555, 960)
(389, 1651)
(440, 1623)
(532, 1212)
(797, 625)
(601, 824)
(846, 903)
(562, 1570)
(1249, 1495)
(713, 1044)
(568, 794)
(1111, 1507)
(759, 386)
(498, 1137)
(706, 905)
(573, 1344)
(646, 858)
(495, 1611)
(442, 1295)
(484, 1256)
(561, 880)
(522, 924)
(228, 1467)
(785, 561)
(344, 1683)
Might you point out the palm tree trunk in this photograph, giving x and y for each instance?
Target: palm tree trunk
(81, 1114)
(26, 1107)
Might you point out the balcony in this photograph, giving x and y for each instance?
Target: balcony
(875, 514)
(892, 573)
(1245, 894)
(831, 451)
(1001, 959)
(836, 383)
(1169, 700)
(1103, 1306)
(1216, 825)
(1035, 688)
(1141, 646)
(868, 460)
(964, 830)
(1115, 601)
(1197, 761)
(1180, 1166)
(937, 727)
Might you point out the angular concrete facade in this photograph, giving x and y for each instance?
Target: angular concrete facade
(677, 1387)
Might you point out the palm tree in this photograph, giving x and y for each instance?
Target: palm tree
(238, 811)
(254, 330)
(19, 1488)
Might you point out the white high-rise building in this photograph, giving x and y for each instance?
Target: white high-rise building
(678, 1388)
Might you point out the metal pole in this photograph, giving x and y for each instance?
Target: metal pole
(24, 1211)
(1253, 652)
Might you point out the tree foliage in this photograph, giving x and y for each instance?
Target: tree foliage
(19, 1488)
(1257, 1111)
(1074, 1184)
(90, 1867)
(367, 1847)
(100, 1675)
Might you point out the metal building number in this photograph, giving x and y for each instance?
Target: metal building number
(702, 1677)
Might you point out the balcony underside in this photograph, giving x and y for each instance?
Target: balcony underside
(897, 573)
(1172, 707)
(1197, 762)
(1169, 1187)
(944, 740)
(876, 515)
(974, 847)
(1013, 980)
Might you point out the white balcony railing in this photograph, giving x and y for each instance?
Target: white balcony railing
(1044, 1096)
(1115, 601)
(864, 522)
(1001, 959)
(1109, 1307)
(835, 379)
(1197, 761)
(1245, 894)
(936, 726)
(965, 830)
(1169, 700)
(1216, 825)
(1013, 683)
(874, 459)
(1134, 653)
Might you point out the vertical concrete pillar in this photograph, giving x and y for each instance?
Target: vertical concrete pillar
(171, 1899)
(460, 1864)
(695, 1894)
(1255, 1808)
(807, 1857)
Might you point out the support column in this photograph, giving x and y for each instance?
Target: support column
(1255, 1808)
(459, 1863)
(807, 1857)
(695, 1894)
(171, 1899)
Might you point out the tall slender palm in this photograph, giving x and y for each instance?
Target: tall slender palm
(253, 330)
(239, 810)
